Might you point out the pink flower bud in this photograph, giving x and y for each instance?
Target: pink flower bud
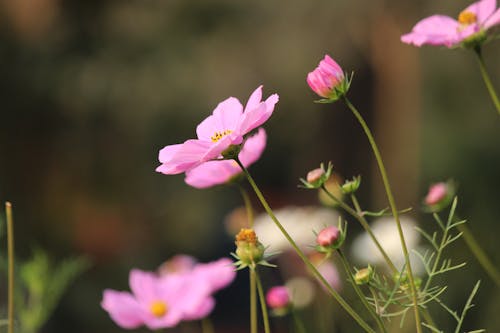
(328, 236)
(315, 175)
(326, 77)
(278, 297)
(437, 192)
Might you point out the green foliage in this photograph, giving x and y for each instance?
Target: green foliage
(40, 287)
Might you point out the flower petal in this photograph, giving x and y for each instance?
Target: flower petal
(434, 30)
(253, 148)
(493, 20)
(255, 99)
(226, 116)
(255, 117)
(143, 285)
(218, 274)
(483, 9)
(123, 308)
(212, 173)
(179, 158)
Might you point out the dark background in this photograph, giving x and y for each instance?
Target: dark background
(90, 91)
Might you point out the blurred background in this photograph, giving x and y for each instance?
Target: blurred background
(90, 91)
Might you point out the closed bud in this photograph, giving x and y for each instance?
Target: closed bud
(363, 276)
(439, 196)
(248, 248)
(328, 236)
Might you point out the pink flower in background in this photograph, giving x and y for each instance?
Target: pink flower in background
(327, 78)
(226, 126)
(213, 173)
(437, 192)
(163, 300)
(444, 30)
(278, 297)
(328, 236)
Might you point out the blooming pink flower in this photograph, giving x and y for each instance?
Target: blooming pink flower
(219, 172)
(278, 297)
(226, 126)
(160, 301)
(444, 30)
(327, 78)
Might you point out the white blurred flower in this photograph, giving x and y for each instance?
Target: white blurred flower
(364, 250)
(299, 222)
(302, 291)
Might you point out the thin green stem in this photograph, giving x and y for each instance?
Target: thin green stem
(207, 326)
(299, 325)
(480, 255)
(394, 209)
(251, 272)
(358, 291)
(10, 253)
(253, 302)
(248, 206)
(486, 79)
(263, 306)
(301, 254)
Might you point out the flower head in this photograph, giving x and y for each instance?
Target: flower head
(469, 28)
(213, 173)
(328, 236)
(328, 80)
(278, 297)
(226, 127)
(439, 196)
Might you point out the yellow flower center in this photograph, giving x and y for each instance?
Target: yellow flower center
(247, 235)
(467, 18)
(158, 308)
(219, 135)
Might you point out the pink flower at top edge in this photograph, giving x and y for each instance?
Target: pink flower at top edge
(444, 30)
(226, 126)
(326, 77)
(213, 173)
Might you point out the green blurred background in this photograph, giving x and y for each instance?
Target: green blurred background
(90, 91)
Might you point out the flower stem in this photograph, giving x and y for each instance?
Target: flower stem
(10, 253)
(251, 272)
(301, 254)
(478, 252)
(394, 209)
(207, 326)
(299, 325)
(486, 78)
(263, 306)
(358, 291)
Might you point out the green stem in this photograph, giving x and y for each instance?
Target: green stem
(251, 272)
(207, 326)
(301, 254)
(479, 253)
(10, 253)
(486, 78)
(263, 306)
(358, 291)
(299, 325)
(394, 209)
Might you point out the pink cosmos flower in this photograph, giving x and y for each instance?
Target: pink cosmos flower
(444, 30)
(227, 126)
(437, 192)
(219, 172)
(163, 300)
(326, 78)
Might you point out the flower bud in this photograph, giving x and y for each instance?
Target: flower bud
(363, 276)
(248, 248)
(439, 196)
(317, 177)
(278, 297)
(351, 186)
(328, 236)
(328, 80)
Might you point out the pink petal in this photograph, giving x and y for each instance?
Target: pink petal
(226, 116)
(123, 308)
(255, 117)
(434, 30)
(254, 99)
(200, 310)
(211, 173)
(179, 158)
(143, 285)
(253, 148)
(483, 9)
(492, 20)
(218, 274)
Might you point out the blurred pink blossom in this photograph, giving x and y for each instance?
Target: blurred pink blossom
(213, 173)
(226, 126)
(437, 192)
(444, 30)
(328, 236)
(163, 300)
(326, 77)
(278, 297)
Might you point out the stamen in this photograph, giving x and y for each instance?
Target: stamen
(467, 18)
(158, 308)
(219, 135)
